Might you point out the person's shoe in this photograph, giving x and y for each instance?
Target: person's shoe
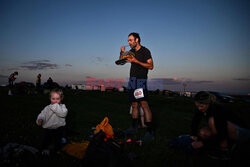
(148, 136)
(130, 131)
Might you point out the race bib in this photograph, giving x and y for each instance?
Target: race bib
(138, 93)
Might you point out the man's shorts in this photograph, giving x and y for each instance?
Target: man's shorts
(137, 90)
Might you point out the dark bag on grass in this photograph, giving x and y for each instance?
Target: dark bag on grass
(183, 143)
(104, 152)
(14, 154)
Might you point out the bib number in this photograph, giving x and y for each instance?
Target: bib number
(138, 93)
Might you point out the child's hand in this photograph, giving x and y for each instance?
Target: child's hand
(40, 122)
(54, 107)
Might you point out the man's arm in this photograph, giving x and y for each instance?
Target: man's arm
(149, 64)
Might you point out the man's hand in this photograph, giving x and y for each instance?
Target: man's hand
(123, 49)
(132, 60)
(40, 122)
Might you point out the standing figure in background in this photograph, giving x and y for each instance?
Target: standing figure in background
(38, 82)
(50, 81)
(11, 81)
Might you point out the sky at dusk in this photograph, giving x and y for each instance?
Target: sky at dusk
(203, 43)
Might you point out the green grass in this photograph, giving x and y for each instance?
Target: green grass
(171, 116)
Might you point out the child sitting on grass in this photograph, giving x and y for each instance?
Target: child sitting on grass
(52, 119)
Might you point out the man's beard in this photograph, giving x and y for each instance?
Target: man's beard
(133, 46)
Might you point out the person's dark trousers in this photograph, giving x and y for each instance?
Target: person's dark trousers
(11, 85)
(52, 136)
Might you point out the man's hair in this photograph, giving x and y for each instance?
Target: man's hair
(57, 91)
(135, 35)
(204, 97)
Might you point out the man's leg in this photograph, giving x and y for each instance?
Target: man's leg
(135, 114)
(148, 117)
(147, 112)
(142, 117)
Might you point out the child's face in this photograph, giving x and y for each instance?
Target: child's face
(55, 98)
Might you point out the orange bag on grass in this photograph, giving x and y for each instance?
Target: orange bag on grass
(75, 149)
(105, 127)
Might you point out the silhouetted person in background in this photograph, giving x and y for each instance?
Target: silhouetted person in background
(12, 78)
(50, 81)
(11, 81)
(38, 82)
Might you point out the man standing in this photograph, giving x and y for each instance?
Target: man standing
(137, 85)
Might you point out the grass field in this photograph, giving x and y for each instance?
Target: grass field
(171, 116)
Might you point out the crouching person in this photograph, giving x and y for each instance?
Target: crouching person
(223, 128)
(52, 119)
